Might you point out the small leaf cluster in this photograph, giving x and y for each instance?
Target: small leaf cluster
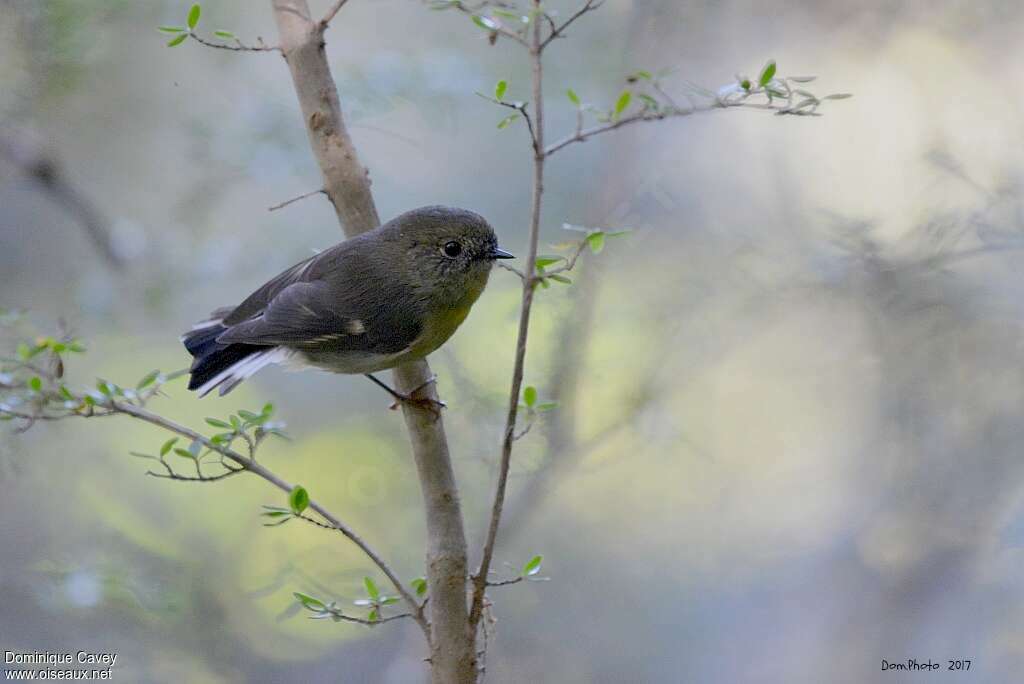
(375, 602)
(499, 18)
(249, 426)
(32, 383)
(298, 502)
(643, 95)
(788, 93)
(182, 33)
(530, 402)
(551, 267)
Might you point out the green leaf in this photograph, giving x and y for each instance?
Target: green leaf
(24, 351)
(226, 35)
(573, 97)
(532, 567)
(235, 423)
(250, 417)
(622, 103)
(171, 29)
(371, 589)
(298, 499)
(596, 241)
(560, 279)
(193, 15)
(214, 422)
(309, 602)
(76, 347)
(374, 615)
(507, 120)
(499, 89)
(36, 384)
(166, 448)
(649, 101)
(178, 40)
(548, 259)
(530, 395)
(767, 73)
(268, 410)
(547, 406)
(485, 23)
(389, 600)
(184, 453)
(148, 379)
(419, 585)
(104, 388)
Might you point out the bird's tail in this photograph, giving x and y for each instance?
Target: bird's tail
(223, 365)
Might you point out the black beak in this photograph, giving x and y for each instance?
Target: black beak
(497, 253)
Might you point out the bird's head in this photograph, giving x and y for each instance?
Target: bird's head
(450, 250)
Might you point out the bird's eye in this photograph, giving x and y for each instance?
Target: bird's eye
(452, 249)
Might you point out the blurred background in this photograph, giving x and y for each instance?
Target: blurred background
(789, 440)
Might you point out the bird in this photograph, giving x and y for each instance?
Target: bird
(377, 300)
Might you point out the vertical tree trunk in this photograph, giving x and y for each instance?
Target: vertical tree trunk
(347, 184)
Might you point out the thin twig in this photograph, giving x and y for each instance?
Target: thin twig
(237, 47)
(480, 579)
(499, 30)
(335, 8)
(261, 471)
(557, 32)
(284, 204)
(198, 478)
(335, 613)
(505, 583)
(571, 261)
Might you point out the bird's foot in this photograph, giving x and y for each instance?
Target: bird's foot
(428, 403)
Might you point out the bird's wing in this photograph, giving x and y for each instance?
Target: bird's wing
(255, 303)
(318, 315)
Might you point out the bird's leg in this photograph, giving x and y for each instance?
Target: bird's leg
(432, 404)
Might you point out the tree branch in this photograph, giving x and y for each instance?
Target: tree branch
(480, 579)
(35, 162)
(346, 182)
(259, 470)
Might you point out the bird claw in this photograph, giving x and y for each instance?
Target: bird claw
(432, 405)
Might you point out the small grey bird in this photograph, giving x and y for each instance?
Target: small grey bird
(373, 302)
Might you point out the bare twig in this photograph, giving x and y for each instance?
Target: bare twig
(197, 478)
(559, 31)
(504, 583)
(331, 13)
(452, 650)
(237, 47)
(284, 204)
